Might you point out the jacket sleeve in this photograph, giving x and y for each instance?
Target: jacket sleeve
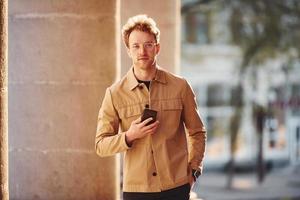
(108, 141)
(195, 128)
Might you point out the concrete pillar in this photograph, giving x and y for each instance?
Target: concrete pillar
(167, 16)
(62, 56)
(3, 103)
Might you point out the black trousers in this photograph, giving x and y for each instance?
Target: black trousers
(178, 193)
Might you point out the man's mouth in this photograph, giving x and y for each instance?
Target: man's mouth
(143, 58)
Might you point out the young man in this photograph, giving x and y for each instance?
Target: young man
(157, 161)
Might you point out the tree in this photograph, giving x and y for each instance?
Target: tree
(265, 29)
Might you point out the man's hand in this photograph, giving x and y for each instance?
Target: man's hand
(192, 179)
(139, 129)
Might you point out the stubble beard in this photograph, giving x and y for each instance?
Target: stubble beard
(146, 65)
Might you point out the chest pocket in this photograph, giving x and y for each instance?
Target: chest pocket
(171, 104)
(130, 112)
(171, 112)
(170, 120)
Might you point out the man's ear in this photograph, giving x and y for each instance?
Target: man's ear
(157, 48)
(128, 52)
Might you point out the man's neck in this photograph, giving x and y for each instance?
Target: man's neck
(145, 75)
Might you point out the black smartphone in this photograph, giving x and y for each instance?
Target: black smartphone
(147, 113)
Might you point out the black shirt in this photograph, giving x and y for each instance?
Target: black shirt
(147, 83)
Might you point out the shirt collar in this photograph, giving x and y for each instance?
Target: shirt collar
(160, 76)
(133, 83)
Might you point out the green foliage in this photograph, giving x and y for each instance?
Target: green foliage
(264, 28)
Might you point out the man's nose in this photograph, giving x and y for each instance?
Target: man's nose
(142, 49)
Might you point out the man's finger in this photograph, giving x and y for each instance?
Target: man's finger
(137, 121)
(146, 121)
(153, 125)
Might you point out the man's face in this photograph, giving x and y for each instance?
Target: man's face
(142, 49)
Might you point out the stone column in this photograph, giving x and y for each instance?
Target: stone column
(3, 103)
(167, 16)
(62, 56)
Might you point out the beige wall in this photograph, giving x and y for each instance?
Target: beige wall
(167, 15)
(3, 103)
(62, 56)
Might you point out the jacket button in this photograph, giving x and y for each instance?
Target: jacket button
(154, 173)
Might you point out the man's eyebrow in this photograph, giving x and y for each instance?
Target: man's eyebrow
(142, 43)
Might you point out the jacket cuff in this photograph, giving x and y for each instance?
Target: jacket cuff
(124, 141)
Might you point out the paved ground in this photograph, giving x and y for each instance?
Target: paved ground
(279, 184)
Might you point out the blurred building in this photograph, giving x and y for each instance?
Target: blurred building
(211, 63)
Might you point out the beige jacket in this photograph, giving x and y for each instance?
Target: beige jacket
(162, 160)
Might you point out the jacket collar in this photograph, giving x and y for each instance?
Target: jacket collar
(160, 77)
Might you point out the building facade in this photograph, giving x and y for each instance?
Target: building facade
(211, 62)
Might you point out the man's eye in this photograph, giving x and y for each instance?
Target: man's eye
(135, 46)
(148, 45)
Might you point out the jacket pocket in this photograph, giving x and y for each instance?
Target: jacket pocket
(171, 104)
(170, 119)
(130, 111)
